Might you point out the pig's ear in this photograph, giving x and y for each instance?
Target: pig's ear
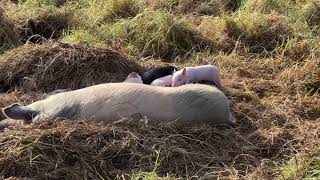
(174, 71)
(19, 112)
(184, 72)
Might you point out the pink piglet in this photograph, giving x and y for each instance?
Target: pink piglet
(189, 75)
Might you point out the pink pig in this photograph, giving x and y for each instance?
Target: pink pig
(195, 74)
(165, 81)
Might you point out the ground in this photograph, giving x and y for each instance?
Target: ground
(267, 50)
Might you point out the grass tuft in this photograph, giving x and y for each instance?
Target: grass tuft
(259, 32)
(9, 35)
(157, 34)
(38, 24)
(111, 10)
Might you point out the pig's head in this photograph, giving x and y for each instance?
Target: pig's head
(19, 112)
(180, 77)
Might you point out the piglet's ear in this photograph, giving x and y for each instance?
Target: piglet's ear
(184, 72)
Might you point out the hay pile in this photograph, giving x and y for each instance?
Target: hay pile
(87, 150)
(58, 65)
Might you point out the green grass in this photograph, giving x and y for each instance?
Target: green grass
(81, 36)
(153, 174)
(306, 168)
(151, 33)
(172, 30)
(118, 9)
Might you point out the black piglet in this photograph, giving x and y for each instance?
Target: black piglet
(155, 73)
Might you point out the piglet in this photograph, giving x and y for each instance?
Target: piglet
(196, 74)
(157, 73)
(164, 81)
(134, 78)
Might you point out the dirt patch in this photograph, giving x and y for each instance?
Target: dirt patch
(58, 65)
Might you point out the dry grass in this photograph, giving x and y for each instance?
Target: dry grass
(63, 149)
(108, 151)
(277, 122)
(268, 55)
(59, 65)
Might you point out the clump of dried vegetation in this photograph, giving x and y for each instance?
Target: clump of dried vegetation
(267, 51)
(60, 65)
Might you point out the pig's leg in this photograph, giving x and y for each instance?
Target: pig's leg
(216, 78)
(218, 83)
